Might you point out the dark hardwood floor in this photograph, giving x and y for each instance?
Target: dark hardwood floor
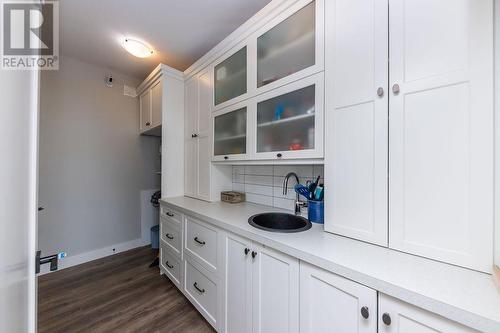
(119, 293)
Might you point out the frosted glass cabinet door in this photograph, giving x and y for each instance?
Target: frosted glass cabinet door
(230, 133)
(288, 47)
(230, 77)
(288, 123)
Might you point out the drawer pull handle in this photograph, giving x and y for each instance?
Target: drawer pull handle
(195, 285)
(169, 236)
(254, 254)
(365, 312)
(199, 241)
(247, 250)
(168, 265)
(386, 318)
(170, 214)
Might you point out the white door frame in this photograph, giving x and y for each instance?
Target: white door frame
(19, 117)
(497, 134)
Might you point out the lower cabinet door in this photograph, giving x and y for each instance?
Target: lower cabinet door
(396, 316)
(275, 292)
(238, 293)
(330, 303)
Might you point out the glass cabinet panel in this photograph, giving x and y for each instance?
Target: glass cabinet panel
(288, 47)
(230, 133)
(230, 77)
(286, 122)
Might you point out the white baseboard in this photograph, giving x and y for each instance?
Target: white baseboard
(95, 254)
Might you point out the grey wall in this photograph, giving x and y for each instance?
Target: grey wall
(93, 163)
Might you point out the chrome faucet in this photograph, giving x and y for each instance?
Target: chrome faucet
(298, 203)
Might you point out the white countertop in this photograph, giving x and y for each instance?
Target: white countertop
(462, 295)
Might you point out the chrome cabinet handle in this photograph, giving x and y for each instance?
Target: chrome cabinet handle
(170, 214)
(395, 89)
(199, 241)
(168, 265)
(365, 313)
(380, 92)
(169, 236)
(246, 251)
(197, 288)
(386, 318)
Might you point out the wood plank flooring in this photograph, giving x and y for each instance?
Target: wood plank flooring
(119, 293)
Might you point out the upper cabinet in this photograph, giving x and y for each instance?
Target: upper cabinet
(289, 121)
(421, 180)
(441, 129)
(288, 47)
(161, 113)
(230, 133)
(356, 89)
(150, 105)
(268, 90)
(230, 77)
(145, 111)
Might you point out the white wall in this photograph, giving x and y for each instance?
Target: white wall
(93, 163)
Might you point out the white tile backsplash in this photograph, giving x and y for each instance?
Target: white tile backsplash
(262, 184)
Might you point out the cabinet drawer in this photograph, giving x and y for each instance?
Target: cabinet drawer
(171, 214)
(170, 264)
(171, 235)
(201, 242)
(202, 291)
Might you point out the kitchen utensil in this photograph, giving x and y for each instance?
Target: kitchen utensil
(302, 190)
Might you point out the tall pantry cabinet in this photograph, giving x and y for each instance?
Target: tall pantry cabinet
(203, 180)
(410, 119)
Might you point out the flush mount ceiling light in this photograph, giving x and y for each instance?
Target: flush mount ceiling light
(137, 48)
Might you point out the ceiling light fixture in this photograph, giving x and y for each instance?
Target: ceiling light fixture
(137, 48)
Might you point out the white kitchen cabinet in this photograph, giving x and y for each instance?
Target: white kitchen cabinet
(161, 103)
(150, 104)
(231, 127)
(290, 46)
(356, 119)
(230, 79)
(145, 111)
(396, 316)
(156, 103)
(289, 121)
(262, 288)
(431, 160)
(190, 141)
(330, 303)
(441, 130)
(275, 292)
(238, 289)
(202, 179)
(202, 289)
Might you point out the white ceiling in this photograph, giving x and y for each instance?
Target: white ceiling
(180, 31)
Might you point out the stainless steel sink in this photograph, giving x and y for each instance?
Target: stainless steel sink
(279, 222)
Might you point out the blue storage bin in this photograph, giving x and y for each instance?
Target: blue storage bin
(316, 211)
(155, 237)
